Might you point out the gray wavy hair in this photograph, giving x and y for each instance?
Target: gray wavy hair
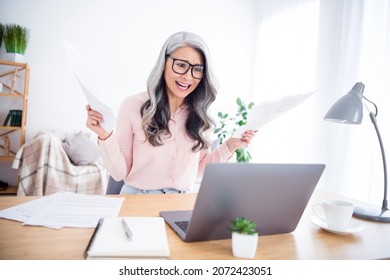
(155, 112)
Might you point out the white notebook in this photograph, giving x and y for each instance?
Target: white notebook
(149, 239)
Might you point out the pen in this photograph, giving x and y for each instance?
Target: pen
(127, 230)
(99, 224)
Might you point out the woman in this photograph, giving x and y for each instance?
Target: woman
(160, 143)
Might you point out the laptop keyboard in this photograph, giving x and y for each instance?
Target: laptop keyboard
(183, 225)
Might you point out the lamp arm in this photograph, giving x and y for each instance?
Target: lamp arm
(373, 120)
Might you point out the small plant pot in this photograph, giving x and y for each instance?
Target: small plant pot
(15, 57)
(244, 245)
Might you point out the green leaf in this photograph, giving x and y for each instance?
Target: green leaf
(241, 123)
(222, 115)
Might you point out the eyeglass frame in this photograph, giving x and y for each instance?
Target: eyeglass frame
(191, 66)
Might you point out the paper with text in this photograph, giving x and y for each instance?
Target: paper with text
(90, 76)
(266, 112)
(26, 210)
(65, 210)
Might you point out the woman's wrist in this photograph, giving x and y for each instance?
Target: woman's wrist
(230, 143)
(105, 136)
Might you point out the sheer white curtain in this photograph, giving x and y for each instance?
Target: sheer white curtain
(326, 45)
(285, 64)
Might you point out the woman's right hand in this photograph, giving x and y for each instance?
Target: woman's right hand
(93, 123)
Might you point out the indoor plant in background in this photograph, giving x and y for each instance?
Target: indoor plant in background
(15, 39)
(228, 125)
(1, 33)
(244, 237)
(1, 41)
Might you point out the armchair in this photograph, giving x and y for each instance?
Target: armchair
(50, 162)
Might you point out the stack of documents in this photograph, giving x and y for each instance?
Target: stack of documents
(129, 237)
(64, 210)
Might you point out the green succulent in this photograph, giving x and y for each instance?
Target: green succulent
(243, 226)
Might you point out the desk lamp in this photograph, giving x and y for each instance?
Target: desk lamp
(349, 110)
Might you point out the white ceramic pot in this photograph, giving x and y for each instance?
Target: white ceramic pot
(244, 245)
(15, 57)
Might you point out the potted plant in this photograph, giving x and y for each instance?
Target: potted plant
(244, 237)
(15, 39)
(1, 33)
(228, 125)
(1, 42)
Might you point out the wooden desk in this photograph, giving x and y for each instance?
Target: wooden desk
(308, 241)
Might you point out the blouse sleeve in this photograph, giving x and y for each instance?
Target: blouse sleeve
(220, 154)
(117, 150)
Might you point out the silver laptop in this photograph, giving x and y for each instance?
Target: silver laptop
(272, 195)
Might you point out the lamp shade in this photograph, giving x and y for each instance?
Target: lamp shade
(349, 108)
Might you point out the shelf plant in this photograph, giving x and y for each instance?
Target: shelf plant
(15, 39)
(228, 125)
(1, 33)
(244, 237)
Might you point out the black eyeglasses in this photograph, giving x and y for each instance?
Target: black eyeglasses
(181, 67)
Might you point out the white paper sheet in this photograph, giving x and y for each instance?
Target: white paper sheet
(266, 112)
(26, 210)
(65, 210)
(90, 76)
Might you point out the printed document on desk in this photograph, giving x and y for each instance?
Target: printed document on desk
(90, 77)
(266, 112)
(64, 210)
(110, 241)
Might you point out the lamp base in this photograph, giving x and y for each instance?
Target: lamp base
(376, 214)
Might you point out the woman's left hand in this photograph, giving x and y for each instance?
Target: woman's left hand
(236, 143)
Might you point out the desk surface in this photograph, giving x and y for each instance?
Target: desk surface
(308, 241)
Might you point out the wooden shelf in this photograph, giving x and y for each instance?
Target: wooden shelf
(15, 64)
(10, 127)
(14, 77)
(10, 190)
(6, 159)
(14, 95)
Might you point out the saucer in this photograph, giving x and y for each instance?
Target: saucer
(352, 228)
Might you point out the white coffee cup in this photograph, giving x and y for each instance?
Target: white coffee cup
(336, 213)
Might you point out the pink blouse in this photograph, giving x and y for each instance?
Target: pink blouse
(130, 157)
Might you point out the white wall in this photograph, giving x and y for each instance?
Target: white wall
(125, 37)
